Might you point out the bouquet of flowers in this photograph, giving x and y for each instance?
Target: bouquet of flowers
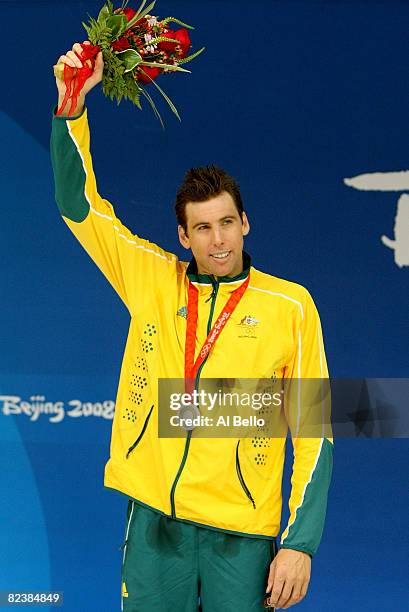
(136, 47)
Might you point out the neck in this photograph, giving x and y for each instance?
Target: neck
(195, 269)
(232, 274)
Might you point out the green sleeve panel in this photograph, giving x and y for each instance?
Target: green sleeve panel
(69, 174)
(305, 532)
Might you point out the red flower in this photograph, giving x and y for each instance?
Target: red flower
(129, 13)
(143, 23)
(121, 44)
(182, 36)
(150, 71)
(168, 46)
(137, 41)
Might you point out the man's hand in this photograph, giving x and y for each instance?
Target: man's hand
(71, 59)
(289, 576)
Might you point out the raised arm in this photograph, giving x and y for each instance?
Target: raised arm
(131, 264)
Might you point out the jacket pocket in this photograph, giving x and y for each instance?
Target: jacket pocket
(241, 479)
(139, 438)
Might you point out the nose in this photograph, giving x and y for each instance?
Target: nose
(217, 237)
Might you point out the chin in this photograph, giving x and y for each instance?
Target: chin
(224, 271)
(227, 268)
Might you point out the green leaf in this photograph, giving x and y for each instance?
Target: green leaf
(130, 58)
(174, 20)
(118, 24)
(159, 39)
(104, 13)
(168, 100)
(140, 9)
(153, 105)
(141, 13)
(184, 60)
(172, 67)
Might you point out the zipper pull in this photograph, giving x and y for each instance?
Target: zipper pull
(213, 293)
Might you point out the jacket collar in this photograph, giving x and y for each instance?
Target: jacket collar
(208, 279)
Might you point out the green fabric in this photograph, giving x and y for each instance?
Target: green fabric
(306, 531)
(69, 173)
(168, 565)
(207, 279)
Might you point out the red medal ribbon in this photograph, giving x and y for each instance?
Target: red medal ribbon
(192, 366)
(74, 78)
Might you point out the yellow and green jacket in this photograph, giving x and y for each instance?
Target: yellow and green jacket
(227, 484)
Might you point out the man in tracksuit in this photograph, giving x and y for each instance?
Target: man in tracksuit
(203, 514)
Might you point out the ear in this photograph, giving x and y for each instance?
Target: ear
(245, 225)
(183, 239)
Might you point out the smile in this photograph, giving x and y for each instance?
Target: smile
(222, 255)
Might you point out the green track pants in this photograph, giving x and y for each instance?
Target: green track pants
(168, 565)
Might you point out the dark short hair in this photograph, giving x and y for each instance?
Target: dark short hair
(203, 183)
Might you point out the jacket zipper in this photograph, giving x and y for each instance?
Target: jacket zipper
(241, 479)
(189, 433)
(139, 438)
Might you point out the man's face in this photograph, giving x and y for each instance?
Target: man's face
(215, 234)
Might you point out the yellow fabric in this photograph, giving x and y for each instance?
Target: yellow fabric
(286, 342)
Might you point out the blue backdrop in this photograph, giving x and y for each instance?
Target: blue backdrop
(292, 98)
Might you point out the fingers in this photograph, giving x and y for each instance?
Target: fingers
(71, 57)
(271, 575)
(287, 591)
(292, 592)
(99, 62)
(294, 596)
(277, 589)
(77, 48)
(289, 576)
(285, 596)
(64, 59)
